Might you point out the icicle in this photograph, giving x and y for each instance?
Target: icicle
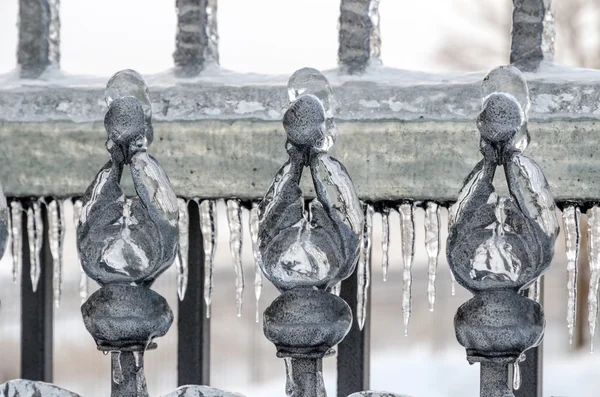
(55, 237)
(137, 356)
(385, 241)
(407, 233)
(289, 380)
(257, 270)
(208, 227)
(535, 290)
(517, 372)
(432, 247)
(83, 279)
(35, 233)
(337, 288)
(234, 220)
(182, 257)
(117, 370)
(594, 262)
(34, 272)
(16, 211)
(364, 268)
(571, 217)
(452, 278)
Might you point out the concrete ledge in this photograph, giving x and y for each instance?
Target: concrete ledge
(402, 135)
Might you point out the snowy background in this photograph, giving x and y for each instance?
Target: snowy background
(280, 36)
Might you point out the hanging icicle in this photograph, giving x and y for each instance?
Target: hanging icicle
(35, 234)
(337, 289)
(571, 217)
(363, 272)
(257, 271)
(594, 262)
(208, 227)
(407, 234)
(182, 255)
(432, 247)
(83, 279)
(234, 220)
(16, 235)
(452, 278)
(385, 241)
(55, 237)
(517, 372)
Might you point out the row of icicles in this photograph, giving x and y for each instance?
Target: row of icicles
(208, 226)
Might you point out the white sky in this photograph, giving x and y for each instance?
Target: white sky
(267, 36)
(263, 36)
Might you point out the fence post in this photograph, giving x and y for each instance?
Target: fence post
(354, 352)
(499, 245)
(305, 252)
(37, 323)
(359, 36)
(39, 36)
(193, 327)
(532, 34)
(197, 38)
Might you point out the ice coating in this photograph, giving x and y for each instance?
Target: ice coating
(83, 279)
(337, 289)
(407, 236)
(363, 271)
(253, 227)
(16, 237)
(508, 79)
(432, 248)
(309, 81)
(318, 247)
(35, 234)
(594, 263)
(208, 227)
(55, 238)
(572, 232)
(385, 242)
(130, 83)
(138, 236)
(517, 372)
(5, 225)
(494, 258)
(234, 220)
(182, 258)
(502, 242)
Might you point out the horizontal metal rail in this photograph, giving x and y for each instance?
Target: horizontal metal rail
(401, 135)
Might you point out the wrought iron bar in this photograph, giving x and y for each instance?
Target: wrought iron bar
(532, 34)
(193, 326)
(354, 352)
(197, 37)
(499, 245)
(39, 36)
(37, 320)
(306, 252)
(359, 36)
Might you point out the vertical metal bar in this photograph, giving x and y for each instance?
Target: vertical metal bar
(359, 37)
(39, 36)
(353, 360)
(193, 354)
(37, 312)
(532, 34)
(197, 38)
(532, 368)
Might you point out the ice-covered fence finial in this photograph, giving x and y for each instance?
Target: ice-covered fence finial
(305, 252)
(126, 243)
(498, 246)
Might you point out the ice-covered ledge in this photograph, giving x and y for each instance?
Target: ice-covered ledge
(380, 93)
(403, 134)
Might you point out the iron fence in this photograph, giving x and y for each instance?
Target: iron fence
(232, 122)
